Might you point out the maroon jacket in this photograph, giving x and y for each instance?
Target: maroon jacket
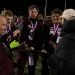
(6, 67)
(37, 35)
(48, 35)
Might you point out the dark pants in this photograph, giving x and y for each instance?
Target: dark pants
(21, 64)
(45, 66)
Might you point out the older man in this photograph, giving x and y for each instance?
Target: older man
(5, 62)
(65, 51)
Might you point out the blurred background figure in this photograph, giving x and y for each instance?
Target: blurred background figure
(40, 17)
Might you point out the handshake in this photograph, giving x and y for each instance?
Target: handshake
(24, 45)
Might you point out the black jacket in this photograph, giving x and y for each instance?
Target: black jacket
(66, 47)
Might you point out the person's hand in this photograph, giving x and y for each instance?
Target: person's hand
(16, 32)
(53, 44)
(44, 51)
(32, 48)
(24, 44)
(9, 38)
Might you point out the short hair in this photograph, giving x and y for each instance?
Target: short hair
(56, 11)
(68, 14)
(32, 7)
(7, 13)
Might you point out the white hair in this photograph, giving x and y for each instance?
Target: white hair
(68, 14)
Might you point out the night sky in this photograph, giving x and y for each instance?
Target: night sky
(20, 7)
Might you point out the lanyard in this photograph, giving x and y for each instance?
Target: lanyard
(55, 28)
(33, 26)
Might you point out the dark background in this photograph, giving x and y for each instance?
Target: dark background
(19, 7)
